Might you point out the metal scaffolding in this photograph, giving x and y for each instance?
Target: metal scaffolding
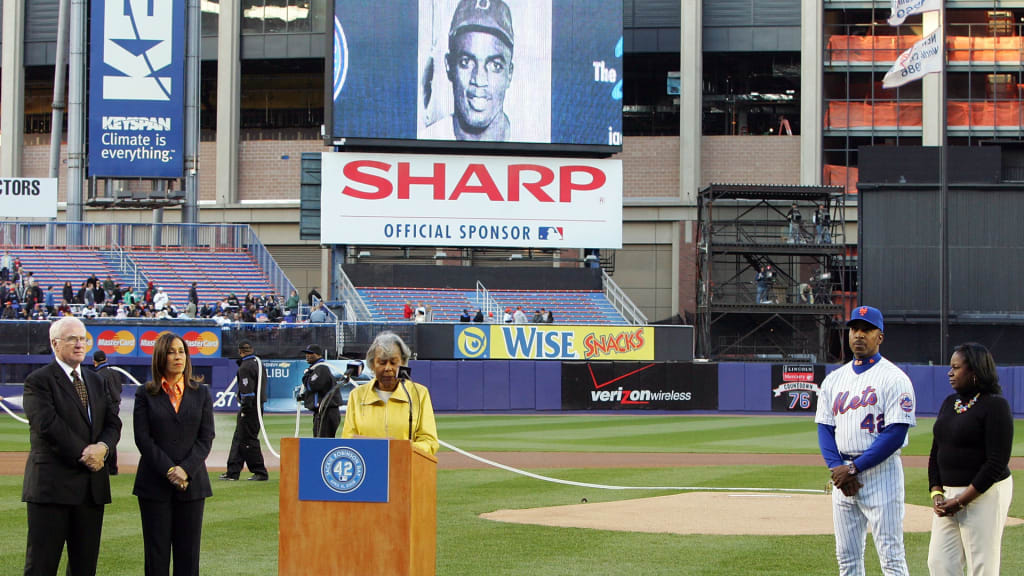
(768, 286)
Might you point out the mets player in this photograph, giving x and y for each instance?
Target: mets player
(865, 409)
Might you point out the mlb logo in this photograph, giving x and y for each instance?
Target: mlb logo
(550, 233)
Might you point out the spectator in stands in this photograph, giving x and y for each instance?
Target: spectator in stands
(116, 295)
(193, 295)
(49, 299)
(108, 287)
(314, 296)
(122, 312)
(249, 313)
(292, 303)
(479, 317)
(465, 316)
(5, 266)
(430, 313)
(88, 294)
(318, 315)
(249, 300)
(232, 301)
(190, 310)
(130, 297)
(271, 309)
(506, 318)
(160, 299)
(537, 317)
(68, 293)
(40, 312)
(421, 310)
(150, 293)
(64, 309)
(519, 317)
(99, 295)
(261, 315)
(90, 311)
(549, 318)
(407, 311)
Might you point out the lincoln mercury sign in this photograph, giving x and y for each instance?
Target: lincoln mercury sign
(493, 201)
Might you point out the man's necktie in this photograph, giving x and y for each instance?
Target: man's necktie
(83, 395)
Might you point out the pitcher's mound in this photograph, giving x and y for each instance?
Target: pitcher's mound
(707, 513)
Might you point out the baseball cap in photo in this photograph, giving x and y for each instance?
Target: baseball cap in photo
(492, 16)
(867, 314)
(314, 349)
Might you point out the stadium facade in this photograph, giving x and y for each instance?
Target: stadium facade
(768, 92)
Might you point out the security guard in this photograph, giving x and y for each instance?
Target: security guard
(245, 445)
(323, 395)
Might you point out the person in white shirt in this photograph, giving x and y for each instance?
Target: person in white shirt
(160, 300)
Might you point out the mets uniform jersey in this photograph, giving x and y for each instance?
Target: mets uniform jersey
(861, 405)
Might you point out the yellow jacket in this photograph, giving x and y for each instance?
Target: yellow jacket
(368, 415)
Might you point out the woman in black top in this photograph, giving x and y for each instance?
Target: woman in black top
(968, 469)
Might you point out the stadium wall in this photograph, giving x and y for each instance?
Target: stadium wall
(551, 386)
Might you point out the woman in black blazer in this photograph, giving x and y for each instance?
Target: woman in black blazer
(174, 432)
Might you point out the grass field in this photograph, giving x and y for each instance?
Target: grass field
(240, 531)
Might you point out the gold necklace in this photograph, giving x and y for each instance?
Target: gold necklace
(959, 407)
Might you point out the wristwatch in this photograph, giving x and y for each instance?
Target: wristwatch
(853, 469)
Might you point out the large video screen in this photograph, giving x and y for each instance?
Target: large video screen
(472, 74)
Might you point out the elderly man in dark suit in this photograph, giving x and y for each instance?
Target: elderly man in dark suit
(73, 425)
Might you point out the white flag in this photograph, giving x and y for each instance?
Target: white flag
(903, 8)
(924, 57)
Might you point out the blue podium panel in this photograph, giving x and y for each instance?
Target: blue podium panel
(343, 470)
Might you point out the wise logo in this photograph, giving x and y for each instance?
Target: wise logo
(120, 342)
(203, 343)
(138, 49)
(471, 342)
(530, 342)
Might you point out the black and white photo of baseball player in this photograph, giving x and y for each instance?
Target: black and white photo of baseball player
(471, 63)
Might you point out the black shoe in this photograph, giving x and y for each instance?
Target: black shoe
(258, 478)
(226, 476)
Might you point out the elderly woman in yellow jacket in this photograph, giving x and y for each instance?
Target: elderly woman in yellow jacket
(391, 405)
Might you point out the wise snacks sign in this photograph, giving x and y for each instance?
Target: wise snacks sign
(490, 201)
(535, 342)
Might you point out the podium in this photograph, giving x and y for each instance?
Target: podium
(397, 537)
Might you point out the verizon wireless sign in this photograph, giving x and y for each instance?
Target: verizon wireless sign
(420, 200)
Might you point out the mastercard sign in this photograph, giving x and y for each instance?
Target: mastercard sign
(148, 340)
(203, 343)
(116, 342)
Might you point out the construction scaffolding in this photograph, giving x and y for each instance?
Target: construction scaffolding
(770, 271)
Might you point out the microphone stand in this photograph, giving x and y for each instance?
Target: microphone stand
(406, 390)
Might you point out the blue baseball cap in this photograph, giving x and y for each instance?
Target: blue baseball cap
(867, 314)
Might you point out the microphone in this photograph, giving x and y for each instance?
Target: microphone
(404, 373)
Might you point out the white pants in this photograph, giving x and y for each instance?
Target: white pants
(879, 504)
(972, 537)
